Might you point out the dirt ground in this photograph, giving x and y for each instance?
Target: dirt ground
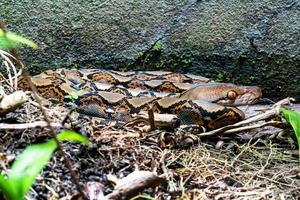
(251, 165)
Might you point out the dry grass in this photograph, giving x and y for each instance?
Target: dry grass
(260, 168)
(257, 169)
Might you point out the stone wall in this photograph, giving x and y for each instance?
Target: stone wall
(253, 42)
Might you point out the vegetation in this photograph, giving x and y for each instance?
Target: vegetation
(205, 168)
(10, 40)
(294, 119)
(74, 95)
(30, 163)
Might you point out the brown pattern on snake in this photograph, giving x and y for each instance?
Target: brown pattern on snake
(58, 84)
(161, 84)
(202, 113)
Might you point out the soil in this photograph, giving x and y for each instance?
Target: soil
(250, 165)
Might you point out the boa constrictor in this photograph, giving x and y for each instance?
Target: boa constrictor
(121, 95)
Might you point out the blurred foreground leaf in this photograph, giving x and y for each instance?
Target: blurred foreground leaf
(30, 163)
(10, 40)
(294, 119)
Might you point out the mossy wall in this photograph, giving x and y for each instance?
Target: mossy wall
(246, 42)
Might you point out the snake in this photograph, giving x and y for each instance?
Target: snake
(122, 95)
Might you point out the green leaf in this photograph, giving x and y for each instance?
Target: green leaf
(294, 119)
(74, 95)
(140, 54)
(19, 39)
(157, 46)
(73, 136)
(30, 163)
(9, 40)
(8, 188)
(5, 43)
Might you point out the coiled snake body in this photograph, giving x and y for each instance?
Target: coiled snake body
(121, 95)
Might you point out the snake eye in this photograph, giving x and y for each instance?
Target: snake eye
(231, 95)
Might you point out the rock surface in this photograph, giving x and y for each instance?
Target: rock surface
(247, 42)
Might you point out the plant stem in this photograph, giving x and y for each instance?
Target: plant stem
(46, 117)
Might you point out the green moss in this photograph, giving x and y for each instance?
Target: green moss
(220, 77)
(157, 46)
(140, 54)
(275, 74)
(279, 61)
(152, 59)
(241, 57)
(69, 64)
(252, 78)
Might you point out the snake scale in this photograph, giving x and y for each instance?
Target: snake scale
(122, 95)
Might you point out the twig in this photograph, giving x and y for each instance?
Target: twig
(135, 183)
(11, 102)
(268, 114)
(46, 117)
(67, 116)
(35, 124)
(169, 176)
(35, 104)
(255, 126)
(151, 119)
(160, 120)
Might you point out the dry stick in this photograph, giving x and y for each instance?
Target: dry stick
(134, 184)
(255, 126)
(151, 119)
(268, 114)
(35, 124)
(169, 176)
(52, 131)
(67, 116)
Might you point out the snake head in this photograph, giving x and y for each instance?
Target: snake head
(233, 95)
(224, 94)
(245, 95)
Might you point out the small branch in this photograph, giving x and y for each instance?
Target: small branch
(169, 176)
(135, 183)
(10, 67)
(151, 119)
(237, 127)
(41, 124)
(245, 128)
(159, 120)
(12, 101)
(46, 117)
